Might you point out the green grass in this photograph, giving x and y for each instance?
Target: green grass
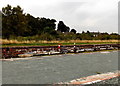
(51, 44)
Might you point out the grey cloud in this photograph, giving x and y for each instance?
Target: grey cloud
(98, 15)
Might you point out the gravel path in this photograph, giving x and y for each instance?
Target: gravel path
(110, 82)
(113, 81)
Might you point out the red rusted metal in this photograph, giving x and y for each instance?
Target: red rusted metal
(8, 52)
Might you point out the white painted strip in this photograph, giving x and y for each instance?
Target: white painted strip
(92, 82)
(95, 78)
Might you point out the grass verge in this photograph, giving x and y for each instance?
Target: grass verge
(10, 43)
(51, 44)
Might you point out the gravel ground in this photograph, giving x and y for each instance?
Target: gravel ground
(60, 68)
(110, 82)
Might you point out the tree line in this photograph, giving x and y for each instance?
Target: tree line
(18, 25)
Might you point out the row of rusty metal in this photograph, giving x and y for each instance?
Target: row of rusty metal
(12, 52)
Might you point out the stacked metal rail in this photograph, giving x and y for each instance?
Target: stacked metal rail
(11, 52)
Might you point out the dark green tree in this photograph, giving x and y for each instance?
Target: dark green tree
(14, 21)
(7, 22)
(19, 22)
(73, 30)
(62, 27)
(33, 25)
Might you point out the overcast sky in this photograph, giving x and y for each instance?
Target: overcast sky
(82, 15)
